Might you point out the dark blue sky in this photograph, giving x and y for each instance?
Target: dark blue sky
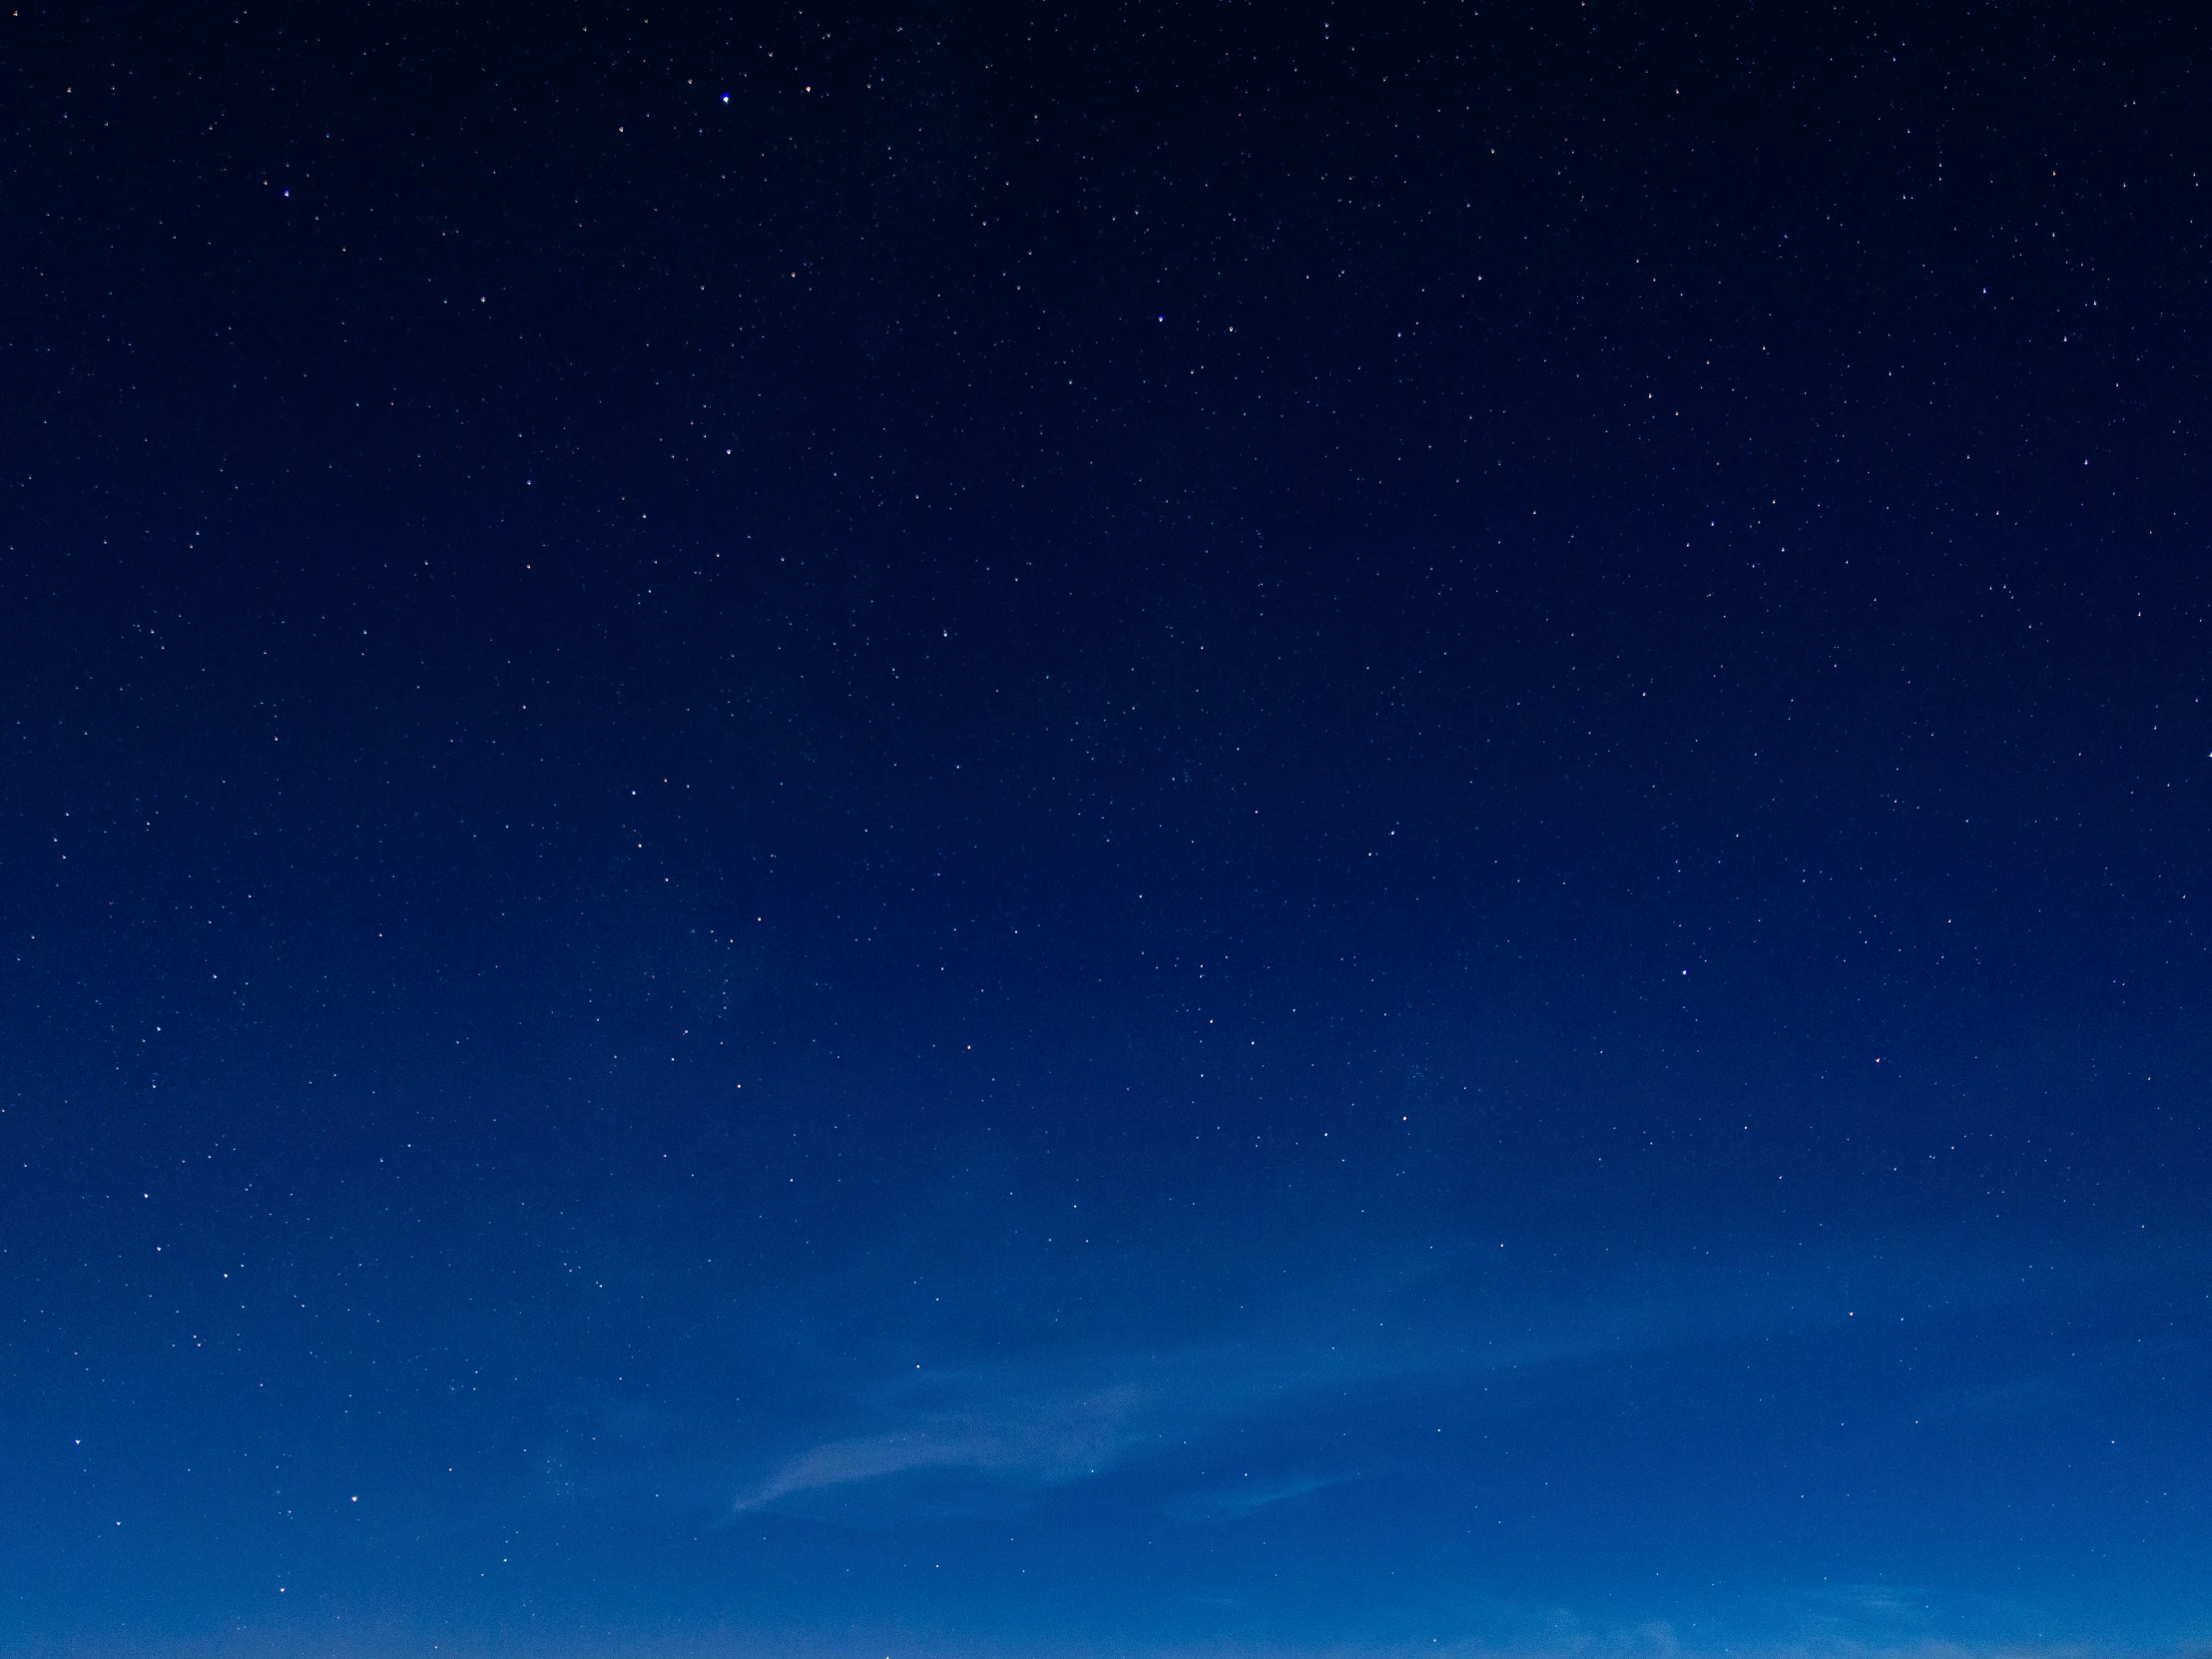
(1104, 830)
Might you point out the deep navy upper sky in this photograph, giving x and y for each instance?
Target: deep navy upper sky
(1105, 830)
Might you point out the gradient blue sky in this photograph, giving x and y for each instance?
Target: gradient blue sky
(1104, 831)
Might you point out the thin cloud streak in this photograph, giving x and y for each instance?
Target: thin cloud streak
(1039, 1438)
(1232, 1503)
(1046, 1424)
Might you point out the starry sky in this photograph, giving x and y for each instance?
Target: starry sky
(1102, 829)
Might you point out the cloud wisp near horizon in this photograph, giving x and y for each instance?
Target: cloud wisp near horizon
(1051, 1420)
(1429, 1330)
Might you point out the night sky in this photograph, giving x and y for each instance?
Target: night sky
(1105, 830)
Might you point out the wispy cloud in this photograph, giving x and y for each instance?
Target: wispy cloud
(1034, 1436)
(1248, 1496)
(1054, 1421)
(1407, 1324)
